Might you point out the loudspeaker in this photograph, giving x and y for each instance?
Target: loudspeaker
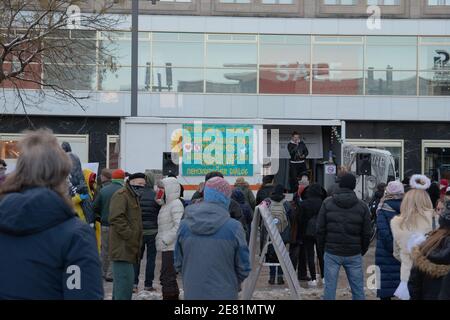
(169, 167)
(364, 164)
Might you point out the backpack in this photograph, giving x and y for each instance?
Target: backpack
(278, 211)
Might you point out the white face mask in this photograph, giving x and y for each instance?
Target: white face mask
(161, 202)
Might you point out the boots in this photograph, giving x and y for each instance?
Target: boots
(280, 280)
(171, 296)
(272, 280)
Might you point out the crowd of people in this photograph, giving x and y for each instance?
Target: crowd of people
(63, 232)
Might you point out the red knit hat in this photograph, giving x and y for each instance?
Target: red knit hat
(118, 174)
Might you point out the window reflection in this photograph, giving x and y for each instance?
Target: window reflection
(338, 56)
(434, 83)
(231, 81)
(391, 82)
(284, 81)
(284, 51)
(337, 82)
(398, 53)
(178, 49)
(231, 55)
(177, 79)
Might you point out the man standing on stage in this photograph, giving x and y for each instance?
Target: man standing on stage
(297, 165)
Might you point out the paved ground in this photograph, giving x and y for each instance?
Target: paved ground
(263, 291)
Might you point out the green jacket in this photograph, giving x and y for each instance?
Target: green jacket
(125, 226)
(103, 199)
(248, 194)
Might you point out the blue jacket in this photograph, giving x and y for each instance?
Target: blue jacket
(384, 259)
(211, 253)
(46, 252)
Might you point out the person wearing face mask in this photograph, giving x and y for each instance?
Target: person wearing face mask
(125, 234)
(169, 217)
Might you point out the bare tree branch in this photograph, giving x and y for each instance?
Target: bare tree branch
(42, 56)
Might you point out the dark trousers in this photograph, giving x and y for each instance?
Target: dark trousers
(295, 172)
(307, 259)
(168, 277)
(149, 242)
(302, 256)
(273, 271)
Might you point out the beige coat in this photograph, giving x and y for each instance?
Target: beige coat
(402, 237)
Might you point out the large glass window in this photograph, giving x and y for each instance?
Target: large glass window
(284, 64)
(398, 53)
(169, 79)
(178, 49)
(337, 82)
(231, 63)
(231, 80)
(113, 152)
(338, 53)
(436, 159)
(337, 65)
(9, 147)
(391, 82)
(434, 65)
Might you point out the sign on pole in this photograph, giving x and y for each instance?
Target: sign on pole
(257, 258)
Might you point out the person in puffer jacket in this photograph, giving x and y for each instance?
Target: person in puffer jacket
(169, 217)
(384, 253)
(431, 262)
(211, 252)
(343, 234)
(46, 252)
(150, 211)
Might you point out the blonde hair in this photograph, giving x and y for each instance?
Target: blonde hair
(42, 163)
(415, 203)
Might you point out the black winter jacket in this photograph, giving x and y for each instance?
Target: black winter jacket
(427, 274)
(264, 193)
(150, 209)
(343, 225)
(298, 152)
(308, 209)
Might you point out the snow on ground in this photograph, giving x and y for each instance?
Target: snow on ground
(263, 291)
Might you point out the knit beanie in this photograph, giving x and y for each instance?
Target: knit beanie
(218, 190)
(348, 181)
(395, 188)
(118, 174)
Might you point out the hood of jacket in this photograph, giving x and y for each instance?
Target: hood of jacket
(393, 204)
(437, 264)
(32, 211)
(171, 189)
(87, 177)
(314, 191)
(150, 178)
(205, 218)
(345, 198)
(238, 196)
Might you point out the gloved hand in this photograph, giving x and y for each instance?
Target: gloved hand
(84, 196)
